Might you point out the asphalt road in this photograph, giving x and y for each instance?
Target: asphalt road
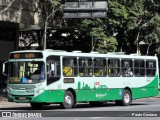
(139, 109)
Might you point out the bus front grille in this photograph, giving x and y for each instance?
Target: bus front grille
(25, 87)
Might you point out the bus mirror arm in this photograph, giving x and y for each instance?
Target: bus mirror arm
(4, 68)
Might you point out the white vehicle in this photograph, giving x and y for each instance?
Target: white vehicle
(50, 76)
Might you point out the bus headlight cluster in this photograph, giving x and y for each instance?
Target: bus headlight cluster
(39, 91)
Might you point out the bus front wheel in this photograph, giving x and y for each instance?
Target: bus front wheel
(68, 100)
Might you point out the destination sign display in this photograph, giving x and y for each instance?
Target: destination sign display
(26, 55)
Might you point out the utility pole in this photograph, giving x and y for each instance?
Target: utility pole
(45, 29)
(137, 44)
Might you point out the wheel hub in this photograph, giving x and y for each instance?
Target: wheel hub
(68, 100)
(126, 98)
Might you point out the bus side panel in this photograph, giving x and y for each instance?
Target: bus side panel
(55, 95)
(146, 91)
(40, 98)
(98, 94)
(154, 83)
(50, 96)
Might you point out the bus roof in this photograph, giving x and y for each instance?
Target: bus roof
(49, 52)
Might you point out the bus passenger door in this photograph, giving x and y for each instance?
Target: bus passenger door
(53, 70)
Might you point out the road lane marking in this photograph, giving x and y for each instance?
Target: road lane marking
(96, 117)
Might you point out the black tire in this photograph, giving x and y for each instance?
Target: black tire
(68, 102)
(126, 99)
(36, 105)
(96, 104)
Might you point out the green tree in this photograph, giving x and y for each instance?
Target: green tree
(144, 19)
(129, 22)
(135, 21)
(117, 17)
(97, 34)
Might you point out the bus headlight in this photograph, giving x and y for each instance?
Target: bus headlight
(39, 91)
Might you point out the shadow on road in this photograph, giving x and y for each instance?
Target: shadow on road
(57, 107)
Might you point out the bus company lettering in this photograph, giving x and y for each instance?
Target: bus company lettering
(100, 95)
(149, 79)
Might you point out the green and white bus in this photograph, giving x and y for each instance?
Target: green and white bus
(66, 78)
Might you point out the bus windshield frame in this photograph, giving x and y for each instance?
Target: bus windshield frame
(26, 72)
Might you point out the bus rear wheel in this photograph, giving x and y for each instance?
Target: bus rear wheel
(68, 100)
(126, 99)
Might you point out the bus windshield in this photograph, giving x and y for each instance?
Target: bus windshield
(26, 72)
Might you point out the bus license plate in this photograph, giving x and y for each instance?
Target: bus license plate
(22, 98)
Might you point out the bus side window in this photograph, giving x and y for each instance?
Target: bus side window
(127, 67)
(81, 67)
(113, 67)
(85, 67)
(67, 71)
(100, 67)
(139, 68)
(150, 68)
(70, 66)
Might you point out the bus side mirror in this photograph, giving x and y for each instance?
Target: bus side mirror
(4, 71)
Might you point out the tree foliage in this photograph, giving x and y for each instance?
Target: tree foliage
(99, 36)
(129, 23)
(137, 21)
